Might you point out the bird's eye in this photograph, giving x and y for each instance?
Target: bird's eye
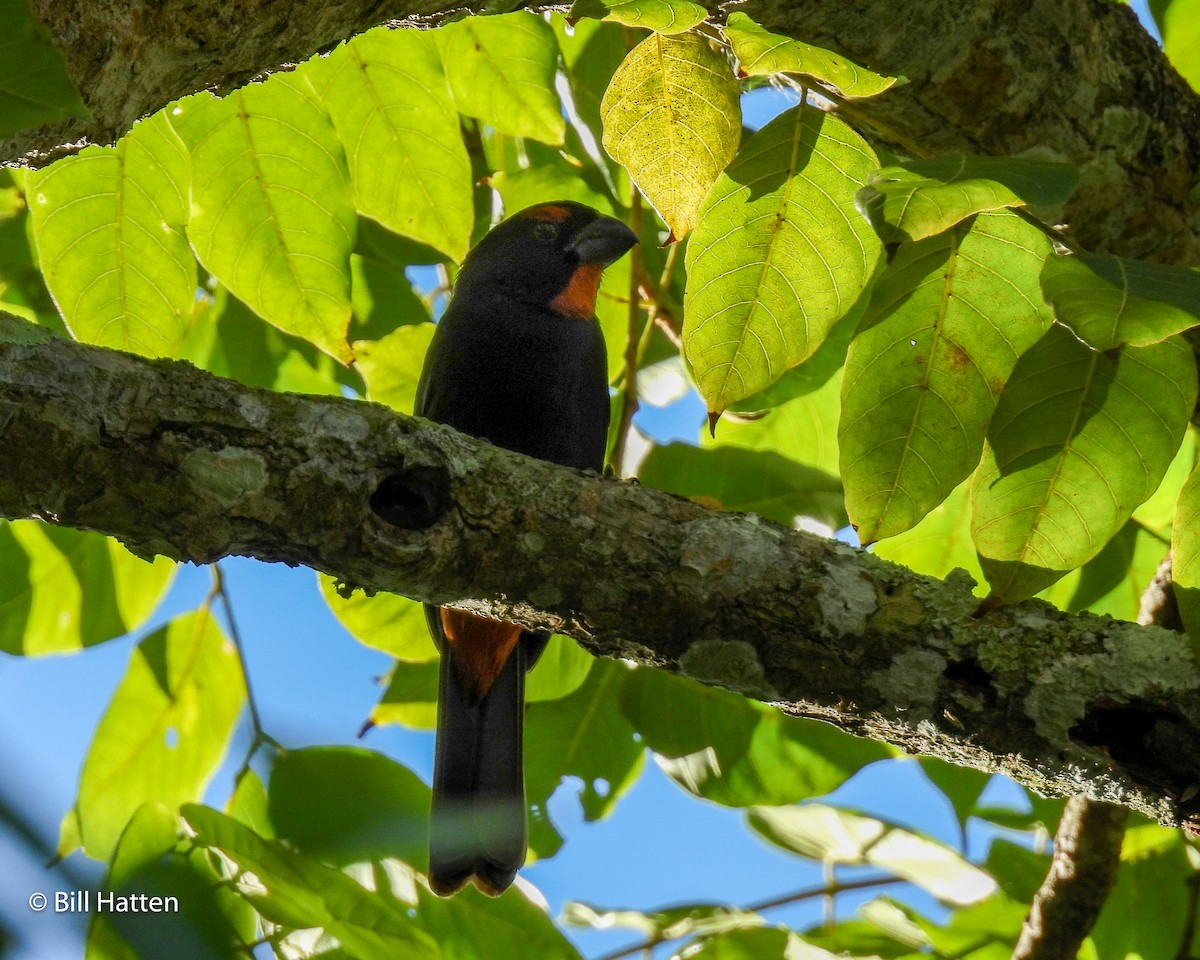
(545, 231)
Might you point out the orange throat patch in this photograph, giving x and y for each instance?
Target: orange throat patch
(578, 298)
(481, 648)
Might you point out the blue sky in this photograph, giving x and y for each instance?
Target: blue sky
(316, 685)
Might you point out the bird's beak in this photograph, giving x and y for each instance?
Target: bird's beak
(602, 241)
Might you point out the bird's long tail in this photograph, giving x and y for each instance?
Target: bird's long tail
(477, 826)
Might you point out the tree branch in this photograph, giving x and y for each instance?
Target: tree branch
(175, 461)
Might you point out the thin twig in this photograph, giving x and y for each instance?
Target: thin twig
(261, 737)
(796, 896)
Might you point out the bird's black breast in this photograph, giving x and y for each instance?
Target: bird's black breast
(524, 378)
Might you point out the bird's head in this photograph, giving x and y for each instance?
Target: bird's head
(549, 255)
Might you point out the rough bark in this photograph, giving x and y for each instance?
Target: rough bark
(175, 461)
(1075, 79)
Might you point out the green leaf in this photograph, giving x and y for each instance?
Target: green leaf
(779, 254)
(591, 52)
(296, 892)
(382, 808)
(1179, 24)
(238, 345)
(813, 373)
(1078, 440)
(109, 228)
(947, 321)
(391, 367)
(672, 117)
(411, 696)
(920, 198)
(383, 299)
(673, 923)
(1158, 513)
(272, 217)
(391, 106)
(662, 16)
(1113, 581)
(164, 731)
(580, 735)
(501, 71)
(940, 543)
(561, 669)
(1146, 913)
(762, 53)
(205, 921)
(470, 925)
(63, 589)
(764, 943)
(736, 751)
(833, 836)
(750, 481)
(1019, 870)
(384, 621)
(1108, 301)
(803, 430)
(34, 86)
(1185, 546)
(961, 786)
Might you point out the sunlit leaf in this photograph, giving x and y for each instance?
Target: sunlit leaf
(1148, 910)
(382, 807)
(150, 861)
(64, 589)
(663, 16)
(1113, 581)
(1185, 564)
(240, 346)
(779, 255)
(34, 86)
(761, 52)
(1108, 301)
(501, 70)
(672, 118)
(672, 923)
(411, 695)
(941, 542)
(300, 893)
(384, 621)
(165, 729)
(750, 481)
(834, 836)
(947, 321)
(391, 106)
(803, 430)
(109, 228)
(582, 735)
(1078, 440)
(272, 216)
(1179, 23)
(561, 669)
(734, 750)
(922, 197)
(391, 367)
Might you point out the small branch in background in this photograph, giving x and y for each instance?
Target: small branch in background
(629, 392)
(260, 735)
(1087, 855)
(825, 890)
(1158, 601)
